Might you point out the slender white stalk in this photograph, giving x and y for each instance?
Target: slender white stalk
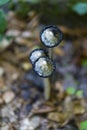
(47, 88)
(47, 84)
(50, 50)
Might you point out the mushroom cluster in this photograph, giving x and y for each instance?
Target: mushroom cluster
(42, 63)
(44, 66)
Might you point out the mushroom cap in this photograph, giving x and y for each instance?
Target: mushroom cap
(51, 36)
(35, 54)
(44, 67)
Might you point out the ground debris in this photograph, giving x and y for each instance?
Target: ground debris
(30, 124)
(7, 98)
(43, 109)
(22, 106)
(61, 118)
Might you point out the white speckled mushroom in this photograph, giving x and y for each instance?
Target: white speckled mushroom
(35, 54)
(44, 67)
(51, 36)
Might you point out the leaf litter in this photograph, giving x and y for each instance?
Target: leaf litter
(24, 108)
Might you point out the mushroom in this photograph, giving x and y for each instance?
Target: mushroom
(44, 67)
(51, 36)
(35, 54)
(43, 64)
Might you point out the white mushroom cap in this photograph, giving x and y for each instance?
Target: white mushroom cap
(35, 54)
(44, 67)
(51, 36)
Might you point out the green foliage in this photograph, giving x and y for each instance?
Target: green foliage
(84, 63)
(1, 37)
(33, 1)
(80, 8)
(71, 90)
(5, 37)
(3, 22)
(3, 2)
(83, 125)
(79, 93)
(21, 7)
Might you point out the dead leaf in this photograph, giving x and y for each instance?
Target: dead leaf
(61, 118)
(43, 109)
(78, 107)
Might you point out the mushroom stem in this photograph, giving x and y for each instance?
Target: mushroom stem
(50, 53)
(47, 84)
(47, 88)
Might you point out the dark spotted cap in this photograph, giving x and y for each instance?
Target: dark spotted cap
(51, 36)
(35, 54)
(44, 67)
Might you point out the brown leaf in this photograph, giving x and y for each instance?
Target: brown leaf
(78, 107)
(43, 109)
(61, 118)
(75, 31)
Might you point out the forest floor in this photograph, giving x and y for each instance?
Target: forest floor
(22, 103)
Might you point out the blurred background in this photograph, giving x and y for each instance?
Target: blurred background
(21, 90)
